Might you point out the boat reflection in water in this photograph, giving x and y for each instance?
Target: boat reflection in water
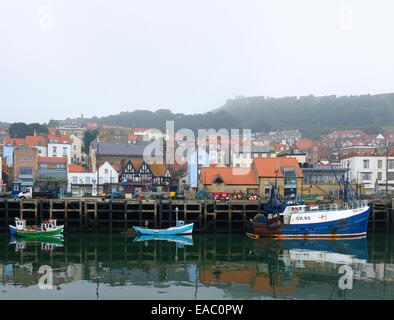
(300, 260)
(205, 266)
(180, 241)
(47, 244)
(290, 268)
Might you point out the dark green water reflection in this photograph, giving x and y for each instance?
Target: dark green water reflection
(89, 266)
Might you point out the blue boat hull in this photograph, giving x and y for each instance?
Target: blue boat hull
(186, 229)
(12, 230)
(355, 226)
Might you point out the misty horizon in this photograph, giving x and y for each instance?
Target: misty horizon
(64, 59)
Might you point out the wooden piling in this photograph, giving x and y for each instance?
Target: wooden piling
(6, 214)
(229, 216)
(41, 210)
(50, 208)
(35, 212)
(155, 216)
(20, 209)
(65, 213)
(125, 215)
(110, 216)
(80, 213)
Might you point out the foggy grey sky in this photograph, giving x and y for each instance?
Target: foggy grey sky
(65, 58)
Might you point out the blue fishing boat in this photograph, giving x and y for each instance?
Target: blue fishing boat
(298, 220)
(180, 228)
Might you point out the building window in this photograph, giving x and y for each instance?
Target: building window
(21, 158)
(87, 179)
(366, 176)
(25, 149)
(391, 164)
(366, 164)
(30, 158)
(380, 163)
(54, 151)
(75, 179)
(379, 175)
(25, 171)
(106, 171)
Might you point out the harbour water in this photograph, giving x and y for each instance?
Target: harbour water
(204, 266)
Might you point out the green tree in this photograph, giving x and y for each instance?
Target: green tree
(89, 136)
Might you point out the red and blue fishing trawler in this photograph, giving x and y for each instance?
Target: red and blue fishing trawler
(348, 219)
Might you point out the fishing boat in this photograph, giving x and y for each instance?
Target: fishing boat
(299, 220)
(179, 228)
(47, 229)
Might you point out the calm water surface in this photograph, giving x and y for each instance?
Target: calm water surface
(89, 266)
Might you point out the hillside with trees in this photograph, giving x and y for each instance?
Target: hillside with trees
(314, 116)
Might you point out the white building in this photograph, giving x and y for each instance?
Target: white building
(80, 182)
(371, 171)
(59, 146)
(107, 174)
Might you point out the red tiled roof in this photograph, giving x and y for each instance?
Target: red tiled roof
(229, 175)
(391, 152)
(266, 167)
(132, 137)
(14, 141)
(59, 139)
(139, 129)
(34, 141)
(52, 159)
(75, 168)
(51, 130)
(304, 144)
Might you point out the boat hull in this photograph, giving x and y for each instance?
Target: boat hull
(12, 230)
(186, 229)
(352, 226)
(40, 234)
